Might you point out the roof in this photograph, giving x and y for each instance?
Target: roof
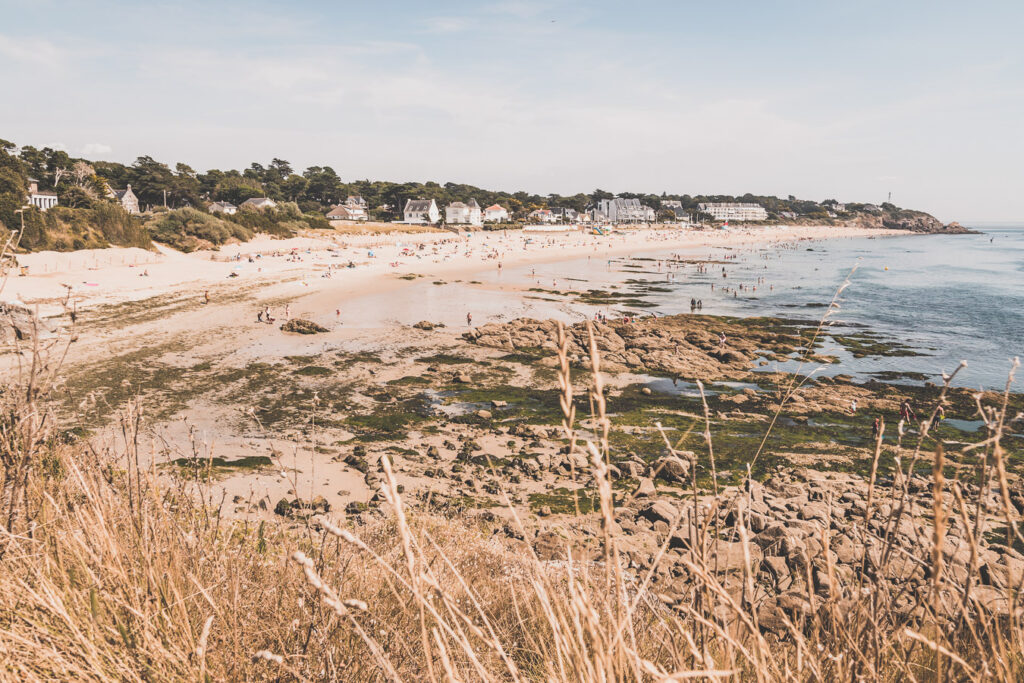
(472, 204)
(730, 205)
(457, 205)
(258, 201)
(495, 207)
(418, 204)
(340, 211)
(224, 205)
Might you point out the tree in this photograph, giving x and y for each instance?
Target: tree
(236, 189)
(324, 185)
(282, 168)
(81, 171)
(293, 187)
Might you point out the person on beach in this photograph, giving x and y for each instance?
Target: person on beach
(876, 429)
(206, 297)
(469, 319)
(853, 407)
(259, 316)
(721, 340)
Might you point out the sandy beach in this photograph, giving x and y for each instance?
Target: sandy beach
(117, 275)
(143, 323)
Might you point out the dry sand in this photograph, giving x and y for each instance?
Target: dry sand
(118, 274)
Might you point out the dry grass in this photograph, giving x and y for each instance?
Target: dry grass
(109, 572)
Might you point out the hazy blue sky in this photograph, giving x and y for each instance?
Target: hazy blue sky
(849, 100)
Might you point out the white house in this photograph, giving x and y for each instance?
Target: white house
(421, 211)
(356, 200)
(259, 203)
(465, 214)
(622, 210)
(223, 207)
(495, 214)
(543, 216)
(347, 212)
(40, 200)
(733, 211)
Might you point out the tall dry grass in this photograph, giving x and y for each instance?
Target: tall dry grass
(108, 571)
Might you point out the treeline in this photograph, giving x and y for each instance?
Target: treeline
(85, 217)
(88, 217)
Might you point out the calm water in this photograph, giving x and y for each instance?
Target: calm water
(952, 297)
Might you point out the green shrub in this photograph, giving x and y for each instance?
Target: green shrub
(189, 229)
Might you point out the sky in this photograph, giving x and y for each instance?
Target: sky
(823, 99)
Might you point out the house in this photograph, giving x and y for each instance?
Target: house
(421, 211)
(676, 207)
(223, 207)
(259, 203)
(40, 200)
(346, 212)
(356, 200)
(788, 215)
(495, 213)
(622, 210)
(129, 202)
(564, 214)
(734, 211)
(543, 216)
(464, 213)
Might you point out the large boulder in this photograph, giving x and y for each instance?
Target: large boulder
(301, 326)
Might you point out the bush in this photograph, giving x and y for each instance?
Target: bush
(189, 229)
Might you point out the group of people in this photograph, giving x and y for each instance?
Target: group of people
(907, 415)
(263, 315)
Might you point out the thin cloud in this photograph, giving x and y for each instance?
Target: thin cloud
(32, 51)
(448, 24)
(96, 149)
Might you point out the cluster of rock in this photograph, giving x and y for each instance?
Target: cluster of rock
(811, 540)
(682, 344)
(904, 219)
(301, 326)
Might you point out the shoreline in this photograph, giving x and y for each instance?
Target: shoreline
(135, 275)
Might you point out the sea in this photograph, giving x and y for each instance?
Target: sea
(950, 298)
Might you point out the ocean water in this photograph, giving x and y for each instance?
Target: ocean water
(950, 297)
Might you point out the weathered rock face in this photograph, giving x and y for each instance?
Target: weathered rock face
(903, 219)
(19, 323)
(301, 326)
(684, 345)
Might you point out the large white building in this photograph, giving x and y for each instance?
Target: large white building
(40, 200)
(421, 211)
(468, 213)
(621, 210)
(729, 211)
